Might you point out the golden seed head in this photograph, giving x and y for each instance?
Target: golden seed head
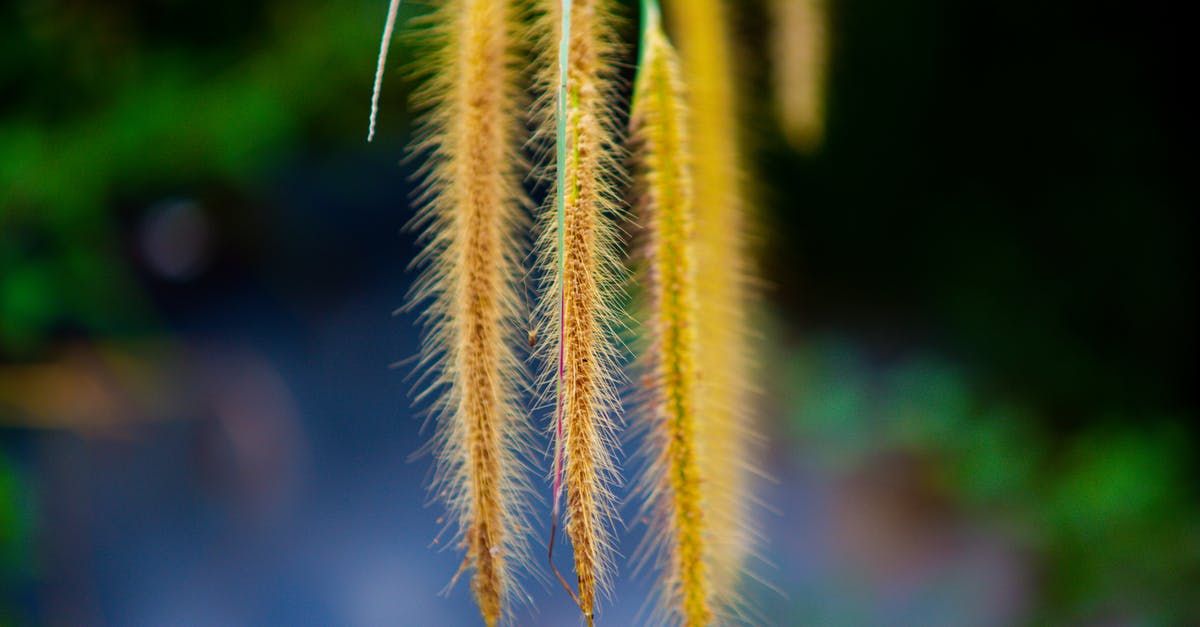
(725, 432)
(672, 411)
(579, 256)
(470, 221)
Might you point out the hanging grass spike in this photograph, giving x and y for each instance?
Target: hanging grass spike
(672, 409)
(471, 221)
(579, 258)
(724, 302)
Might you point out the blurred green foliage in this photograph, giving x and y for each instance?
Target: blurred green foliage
(1110, 511)
(116, 103)
(104, 102)
(15, 533)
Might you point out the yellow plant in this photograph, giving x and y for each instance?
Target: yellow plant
(673, 410)
(471, 220)
(698, 357)
(579, 258)
(722, 269)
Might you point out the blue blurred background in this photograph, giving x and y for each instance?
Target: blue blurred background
(979, 355)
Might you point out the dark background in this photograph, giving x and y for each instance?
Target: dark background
(979, 322)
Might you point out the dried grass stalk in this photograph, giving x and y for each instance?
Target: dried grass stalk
(471, 219)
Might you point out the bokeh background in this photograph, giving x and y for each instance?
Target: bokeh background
(979, 322)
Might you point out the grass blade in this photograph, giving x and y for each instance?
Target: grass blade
(389, 26)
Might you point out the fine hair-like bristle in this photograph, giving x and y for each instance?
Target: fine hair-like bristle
(471, 223)
(671, 411)
(579, 260)
(723, 269)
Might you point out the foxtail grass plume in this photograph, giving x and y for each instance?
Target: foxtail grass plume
(724, 297)
(471, 222)
(679, 536)
(799, 44)
(579, 260)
